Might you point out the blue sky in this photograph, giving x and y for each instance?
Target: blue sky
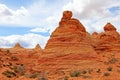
(31, 22)
(14, 4)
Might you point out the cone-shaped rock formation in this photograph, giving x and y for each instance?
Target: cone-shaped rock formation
(109, 27)
(17, 45)
(107, 41)
(38, 47)
(70, 37)
(110, 34)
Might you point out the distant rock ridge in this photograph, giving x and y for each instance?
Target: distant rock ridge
(110, 33)
(17, 45)
(107, 41)
(94, 34)
(38, 47)
(109, 27)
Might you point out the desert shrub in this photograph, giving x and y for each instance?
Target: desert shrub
(84, 72)
(66, 78)
(109, 68)
(19, 69)
(43, 78)
(106, 74)
(98, 71)
(75, 74)
(86, 76)
(14, 58)
(35, 75)
(4, 65)
(112, 60)
(10, 64)
(90, 71)
(8, 51)
(9, 74)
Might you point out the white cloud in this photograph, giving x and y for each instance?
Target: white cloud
(27, 40)
(39, 15)
(9, 16)
(38, 30)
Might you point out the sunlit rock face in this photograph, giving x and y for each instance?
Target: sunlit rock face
(70, 37)
(107, 41)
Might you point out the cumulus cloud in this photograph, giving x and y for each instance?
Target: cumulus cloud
(36, 15)
(27, 40)
(9, 16)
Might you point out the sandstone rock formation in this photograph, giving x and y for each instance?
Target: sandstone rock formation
(108, 40)
(95, 33)
(37, 47)
(17, 46)
(71, 24)
(109, 27)
(70, 37)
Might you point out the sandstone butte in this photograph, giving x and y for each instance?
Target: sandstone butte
(71, 53)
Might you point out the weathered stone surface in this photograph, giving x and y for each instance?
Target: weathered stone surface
(107, 41)
(70, 23)
(70, 37)
(109, 27)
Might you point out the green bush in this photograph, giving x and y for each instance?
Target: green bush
(90, 71)
(9, 74)
(19, 69)
(84, 72)
(75, 74)
(112, 59)
(86, 76)
(98, 71)
(109, 68)
(8, 51)
(106, 74)
(66, 78)
(35, 75)
(14, 58)
(43, 78)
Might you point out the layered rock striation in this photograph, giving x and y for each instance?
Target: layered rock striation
(70, 37)
(107, 41)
